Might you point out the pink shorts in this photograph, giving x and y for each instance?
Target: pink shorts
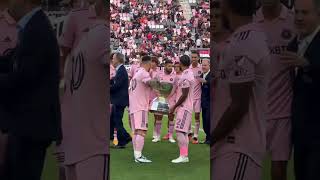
(279, 139)
(139, 120)
(197, 105)
(96, 167)
(3, 147)
(183, 120)
(235, 166)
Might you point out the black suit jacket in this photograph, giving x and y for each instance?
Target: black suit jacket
(205, 91)
(119, 88)
(32, 104)
(306, 99)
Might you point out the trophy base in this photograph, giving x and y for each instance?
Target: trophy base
(159, 107)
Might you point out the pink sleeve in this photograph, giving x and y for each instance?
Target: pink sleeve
(146, 78)
(68, 33)
(185, 84)
(98, 43)
(130, 73)
(242, 70)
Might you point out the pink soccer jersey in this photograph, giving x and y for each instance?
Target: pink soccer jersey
(279, 32)
(186, 81)
(139, 91)
(170, 78)
(86, 132)
(133, 69)
(245, 59)
(77, 24)
(112, 71)
(197, 71)
(8, 32)
(154, 74)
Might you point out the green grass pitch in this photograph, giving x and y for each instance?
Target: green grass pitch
(123, 166)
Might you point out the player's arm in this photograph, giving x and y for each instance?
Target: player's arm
(241, 77)
(240, 95)
(66, 41)
(183, 97)
(65, 51)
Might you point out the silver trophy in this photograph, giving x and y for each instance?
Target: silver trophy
(160, 104)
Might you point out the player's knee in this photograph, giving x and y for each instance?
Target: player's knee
(141, 132)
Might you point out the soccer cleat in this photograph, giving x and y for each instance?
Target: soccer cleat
(172, 140)
(166, 137)
(156, 139)
(115, 141)
(142, 159)
(181, 159)
(195, 140)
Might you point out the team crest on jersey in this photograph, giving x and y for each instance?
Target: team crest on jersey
(78, 72)
(133, 84)
(238, 69)
(286, 34)
(171, 79)
(199, 72)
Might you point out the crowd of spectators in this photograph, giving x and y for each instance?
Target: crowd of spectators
(158, 27)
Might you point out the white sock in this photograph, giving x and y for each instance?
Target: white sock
(137, 154)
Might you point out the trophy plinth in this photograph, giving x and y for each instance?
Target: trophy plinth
(160, 104)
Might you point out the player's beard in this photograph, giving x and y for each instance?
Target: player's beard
(168, 71)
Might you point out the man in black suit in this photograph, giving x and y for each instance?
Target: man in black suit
(119, 99)
(306, 97)
(205, 98)
(32, 106)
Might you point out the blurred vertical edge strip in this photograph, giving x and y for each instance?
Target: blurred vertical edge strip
(212, 79)
(107, 4)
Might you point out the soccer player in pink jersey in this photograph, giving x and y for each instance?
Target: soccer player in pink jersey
(184, 108)
(112, 69)
(8, 39)
(197, 71)
(77, 23)
(219, 30)
(112, 74)
(155, 72)
(139, 101)
(133, 69)
(86, 134)
(168, 76)
(238, 141)
(177, 69)
(278, 23)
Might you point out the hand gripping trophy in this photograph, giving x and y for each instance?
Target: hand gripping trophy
(160, 104)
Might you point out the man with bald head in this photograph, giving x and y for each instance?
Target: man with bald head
(306, 98)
